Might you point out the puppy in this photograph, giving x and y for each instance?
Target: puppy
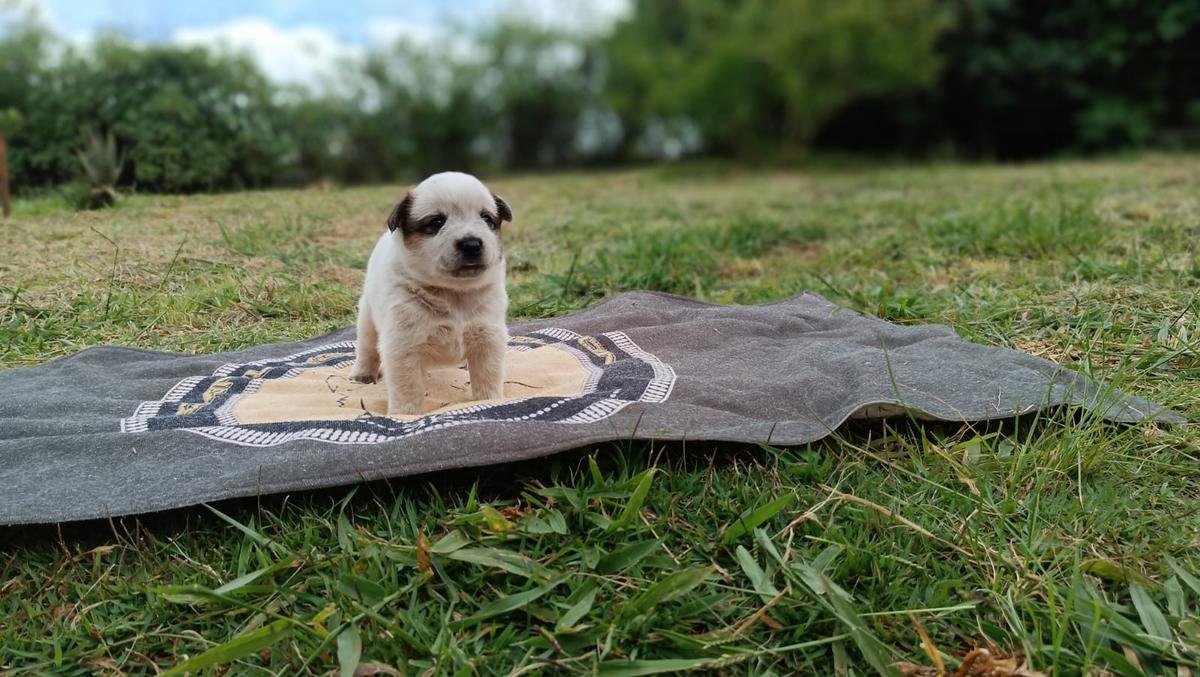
(434, 292)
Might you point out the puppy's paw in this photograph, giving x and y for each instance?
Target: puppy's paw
(403, 409)
(363, 377)
(490, 393)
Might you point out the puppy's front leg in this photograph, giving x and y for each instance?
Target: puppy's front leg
(485, 347)
(403, 373)
(366, 350)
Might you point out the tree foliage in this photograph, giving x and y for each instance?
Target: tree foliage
(759, 75)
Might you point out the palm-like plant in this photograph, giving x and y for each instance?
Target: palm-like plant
(102, 165)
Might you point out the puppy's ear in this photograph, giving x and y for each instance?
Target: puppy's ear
(502, 208)
(399, 216)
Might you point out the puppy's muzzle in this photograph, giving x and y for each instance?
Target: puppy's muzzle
(470, 257)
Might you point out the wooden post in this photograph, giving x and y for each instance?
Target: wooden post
(5, 199)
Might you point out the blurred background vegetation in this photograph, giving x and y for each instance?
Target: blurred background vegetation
(756, 81)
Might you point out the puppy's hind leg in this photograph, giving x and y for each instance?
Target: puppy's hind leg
(366, 348)
(485, 347)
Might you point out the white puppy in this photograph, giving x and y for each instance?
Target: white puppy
(434, 293)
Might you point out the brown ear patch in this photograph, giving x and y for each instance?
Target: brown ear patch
(399, 218)
(502, 208)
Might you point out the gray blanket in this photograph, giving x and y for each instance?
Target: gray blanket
(114, 431)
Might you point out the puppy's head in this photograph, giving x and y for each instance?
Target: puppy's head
(450, 225)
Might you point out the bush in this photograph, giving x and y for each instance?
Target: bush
(191, 120)
(1025, 78)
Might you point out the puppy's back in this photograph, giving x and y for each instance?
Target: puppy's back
(380, 273)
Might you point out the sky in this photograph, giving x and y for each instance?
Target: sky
(298, 41)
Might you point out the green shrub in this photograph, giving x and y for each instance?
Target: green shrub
(1026, 78)
(191, 120)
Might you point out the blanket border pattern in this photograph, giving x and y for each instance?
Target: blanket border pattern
(204, 404)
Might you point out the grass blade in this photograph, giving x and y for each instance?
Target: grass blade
(362, 589)
(349, 650)
(1113, 571)
(1095, 613)
(578, 610)
(1152, 618)
(186, 594)
(236, 648)
(558, 523)
(658, 667)
(826, 557)
(758, 577)
(634, 506)
(497, 523)
(755, 517)
(1176, 599)
(505, 560)
(254, 535)
(1184, 575)
(837, 601)
(505, 604)
(345, 534)
(622, 559)
(455, 540)
(597, 477)
(1119, 664)
(764, 542)
(665, 590)
(249, 578)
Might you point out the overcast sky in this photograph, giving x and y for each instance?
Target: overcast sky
(295, 41)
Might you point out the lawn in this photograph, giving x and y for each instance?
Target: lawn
(1062, 542)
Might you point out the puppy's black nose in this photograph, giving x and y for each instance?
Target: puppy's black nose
(470, 247)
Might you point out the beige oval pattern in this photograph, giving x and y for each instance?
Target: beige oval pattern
(328, 394)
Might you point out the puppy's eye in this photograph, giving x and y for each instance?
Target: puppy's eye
(434, 224)
(489, 220)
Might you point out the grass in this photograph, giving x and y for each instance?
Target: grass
(1063, 544)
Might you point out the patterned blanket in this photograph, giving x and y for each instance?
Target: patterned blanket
(113, 431)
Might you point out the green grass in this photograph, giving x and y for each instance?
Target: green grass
(1064, 542)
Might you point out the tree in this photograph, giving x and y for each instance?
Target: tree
(10, 119)
(539, 87)
(760, 77)
(24, 48)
